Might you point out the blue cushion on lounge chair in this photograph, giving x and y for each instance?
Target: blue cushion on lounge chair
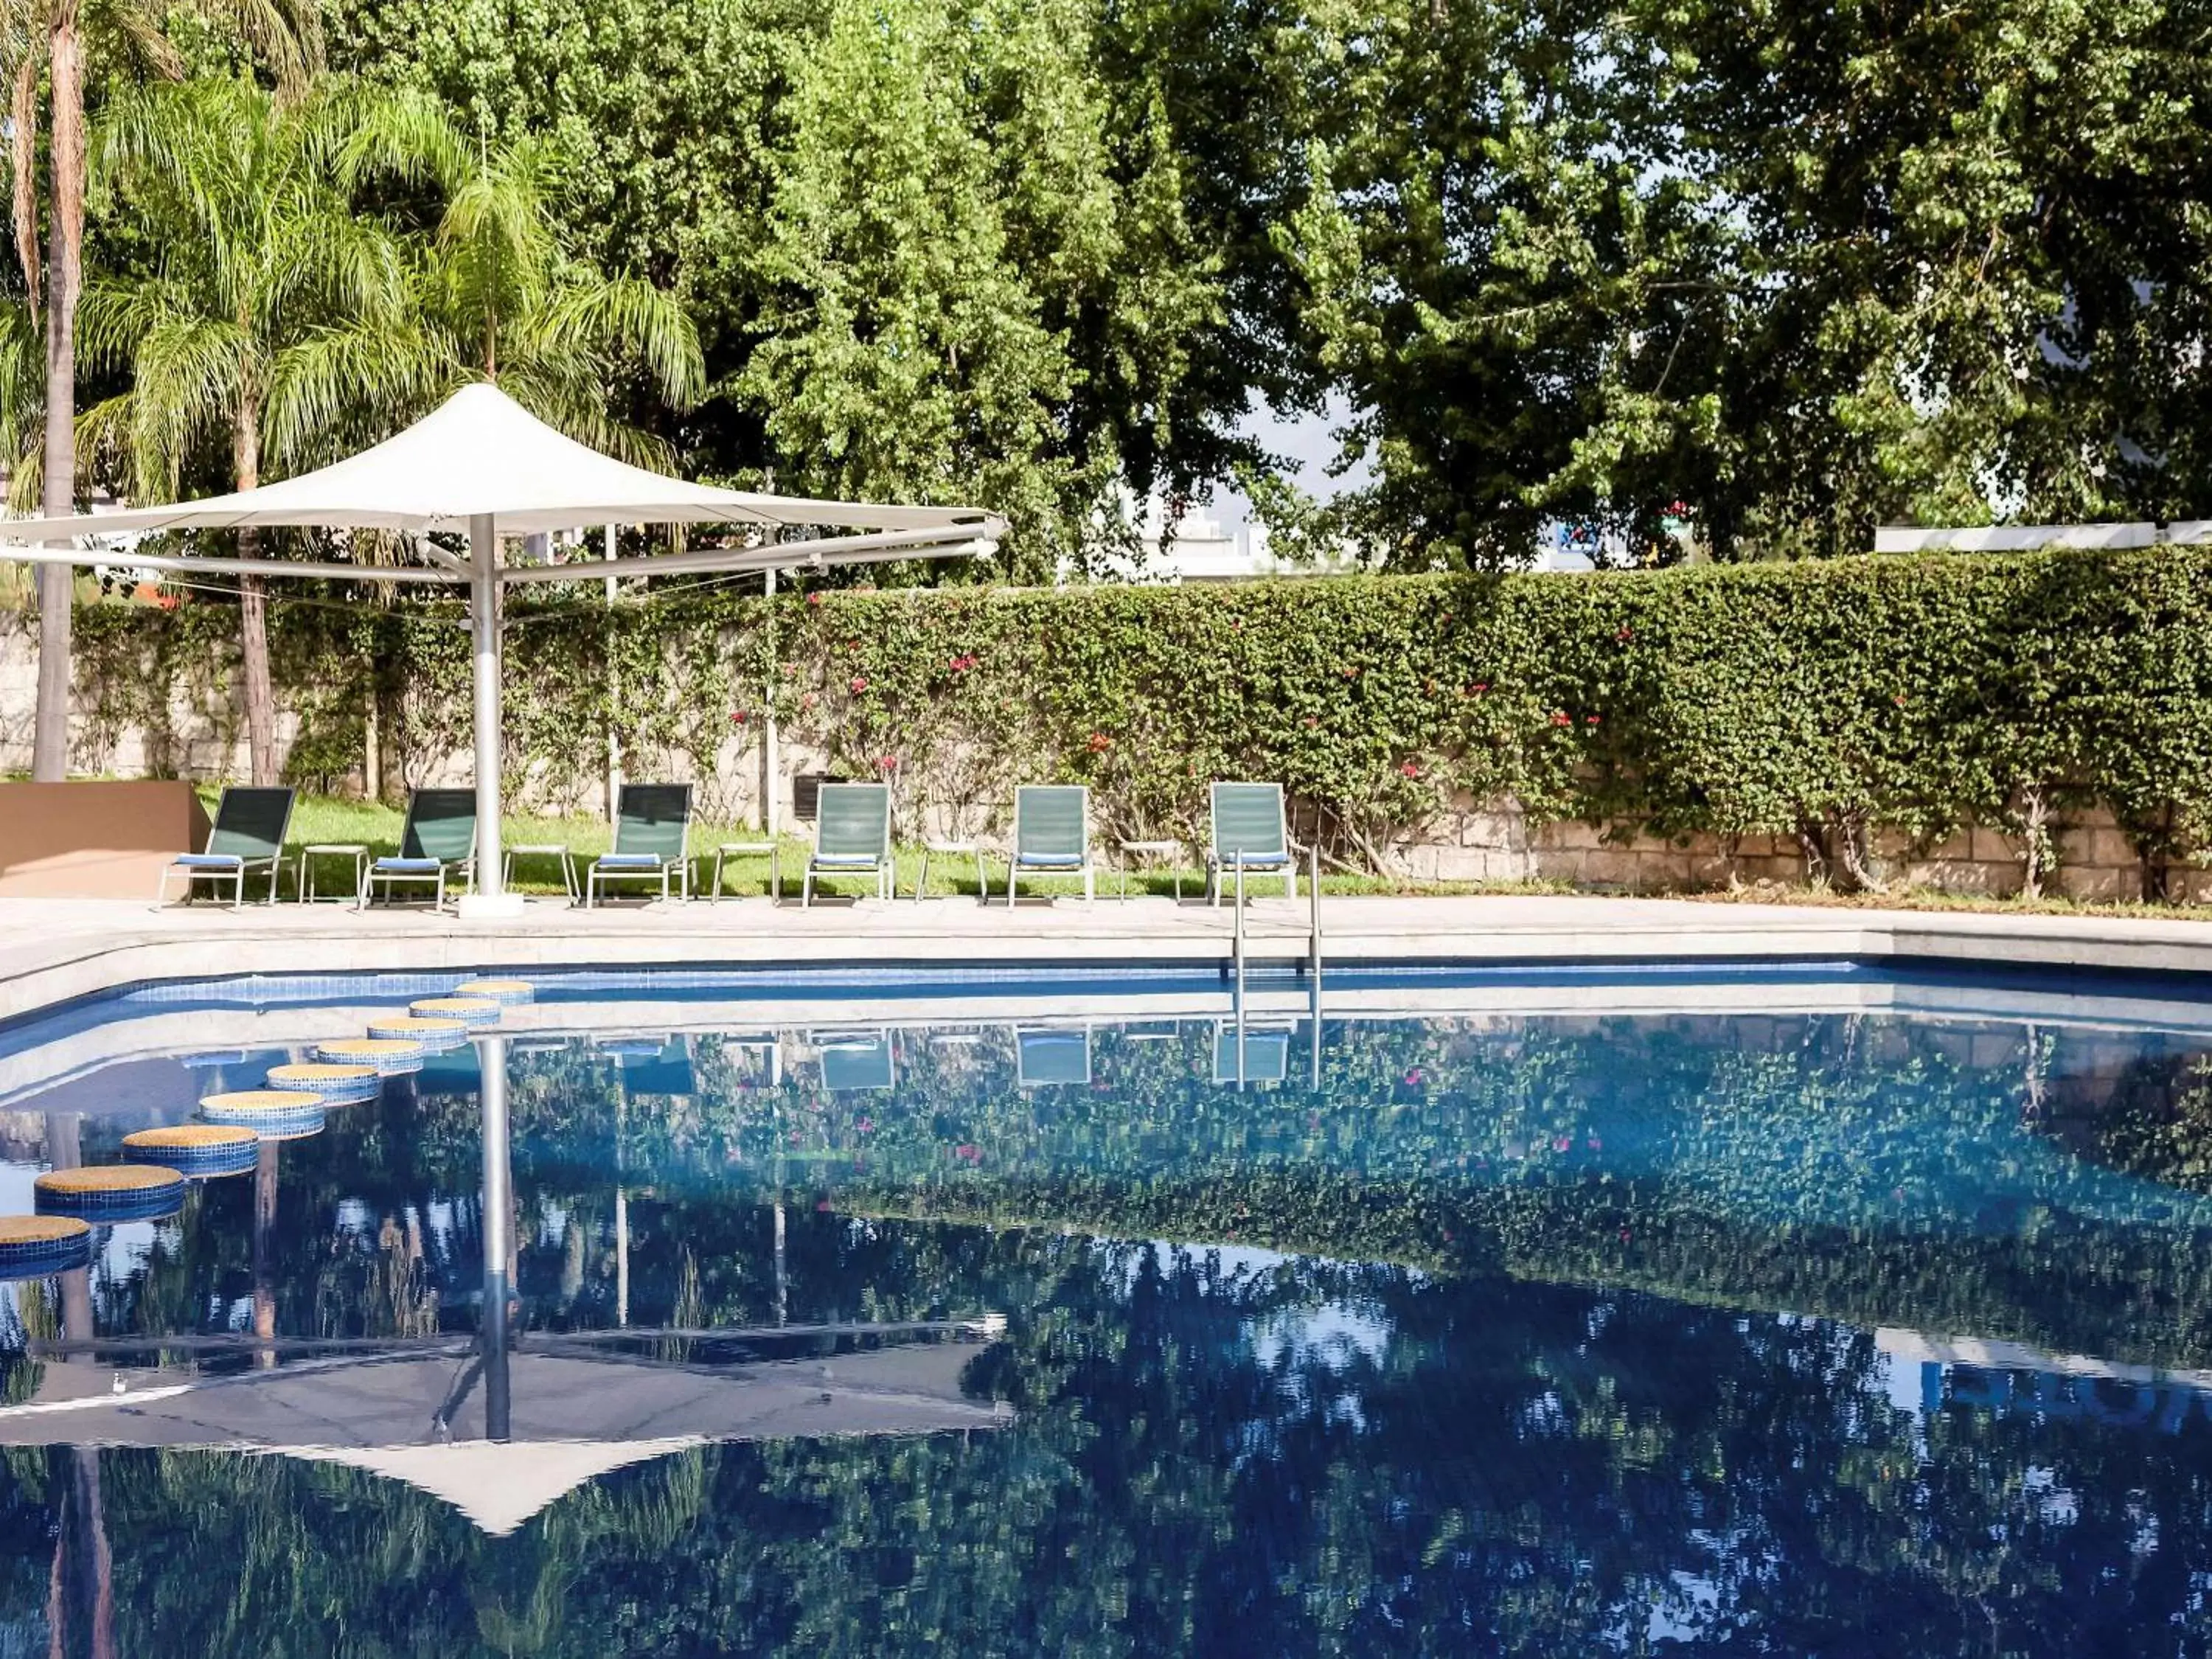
(630, 860)
(1050, 861)
(855, 860)
(1258, 861)
(425, 866)
(208, 860)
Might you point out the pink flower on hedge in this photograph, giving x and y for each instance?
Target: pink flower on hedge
(1562, 1142)
(1560, 717)
(1626, 633)
(866, 1126)
(1589, 720)
(822, 1207)
(887, 764)
(738, 717)
(968, 1152)
(808, 701)
(814, 599)
(860, 683)
(1415, 1078)
(1352, 672)
(1482, 686)
(1410, 769)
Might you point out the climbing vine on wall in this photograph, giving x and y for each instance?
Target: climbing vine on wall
(1813, 701)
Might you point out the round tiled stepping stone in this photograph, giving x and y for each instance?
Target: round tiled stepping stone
(112, 1191)
(33, 1246)
(271, 1113)
(507, 992)
(335, 1085)
(435, 1035)
(472, 1011)
(198, 1150)
(390, 1055)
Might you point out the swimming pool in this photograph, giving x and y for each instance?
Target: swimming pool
(1824, 1310)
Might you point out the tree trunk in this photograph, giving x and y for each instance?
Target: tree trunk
(65, 276)
(253, 608)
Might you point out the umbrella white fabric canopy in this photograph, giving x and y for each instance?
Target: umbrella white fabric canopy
(483, 465)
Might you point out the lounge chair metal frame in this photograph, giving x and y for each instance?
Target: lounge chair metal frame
(1053, 858)
(1276, 854)
(417, 862)
(636, 817)
(234, 864)
(844, 800)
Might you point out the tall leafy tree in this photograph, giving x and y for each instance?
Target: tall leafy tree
(949, 224)
(124, 37)
(246, 199)
(489, 295)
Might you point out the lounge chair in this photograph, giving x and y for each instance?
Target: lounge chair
(1250, 1053)
(852, 837)
(1052, 834)
(438, 839)
(1249, 831)
(250, 826)
(653, 829)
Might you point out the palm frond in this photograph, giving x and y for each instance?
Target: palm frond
(626, 318)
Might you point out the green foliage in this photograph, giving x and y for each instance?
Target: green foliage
(1817, 701)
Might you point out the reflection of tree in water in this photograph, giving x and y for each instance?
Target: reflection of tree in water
(2151, 1116)
(1883, 1171)
(1492, 1466)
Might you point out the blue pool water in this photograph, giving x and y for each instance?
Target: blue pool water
(1825, 1311)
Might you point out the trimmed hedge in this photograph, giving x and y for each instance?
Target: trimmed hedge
(1817, 700)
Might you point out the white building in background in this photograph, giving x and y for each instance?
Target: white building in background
(1198, 548)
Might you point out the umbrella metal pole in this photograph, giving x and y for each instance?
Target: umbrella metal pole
(498, 1232)
(768, 713)
(613, 741)
(483, 616)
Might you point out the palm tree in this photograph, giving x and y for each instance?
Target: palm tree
(53, 35)
(259, 246)
(492, 298)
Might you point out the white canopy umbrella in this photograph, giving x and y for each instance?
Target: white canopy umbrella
(483, 466)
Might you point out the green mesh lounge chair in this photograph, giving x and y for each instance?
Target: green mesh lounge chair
(438, 839)
(1052, 834)
(250, 826)
(1047, 1055)
(652, 840)
(1248, 828)
(852, 837)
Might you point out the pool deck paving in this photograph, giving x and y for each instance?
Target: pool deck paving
(54, 950)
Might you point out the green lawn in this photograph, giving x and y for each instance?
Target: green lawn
(334, 819)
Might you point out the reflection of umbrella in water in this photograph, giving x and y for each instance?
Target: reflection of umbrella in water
(419, 1415)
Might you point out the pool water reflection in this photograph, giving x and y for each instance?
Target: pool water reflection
(1830, 1333)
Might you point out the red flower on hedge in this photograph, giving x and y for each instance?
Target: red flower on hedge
(1626, 633)
(1589, 720)
(814, 599)
(860, 683)
(887, 764)
(1098, 743)
(737, 718)
(1560, 717)
(1410, 769)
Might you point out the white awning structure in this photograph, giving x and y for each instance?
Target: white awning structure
(483, 466)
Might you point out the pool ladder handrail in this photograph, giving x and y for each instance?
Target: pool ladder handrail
(1313, 954)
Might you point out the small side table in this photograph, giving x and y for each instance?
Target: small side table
(1169, 849)
(771, 850)
(547, 849)
(332, 849)
(952, 849)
